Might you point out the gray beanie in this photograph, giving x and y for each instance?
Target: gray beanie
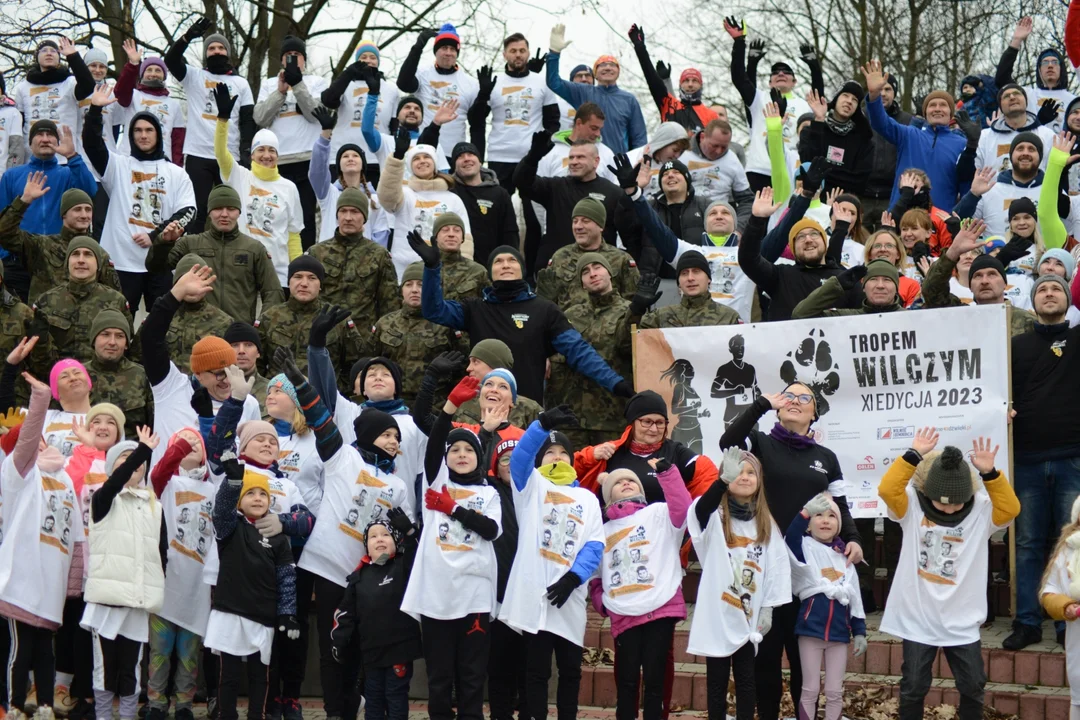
(213, 38)
(1054, 279)
(114, 453)
(949, 479)
(94, 55)
(666, 134)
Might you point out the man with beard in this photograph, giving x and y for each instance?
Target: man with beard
(491, 211)
(1014, 119)
(410, 114)
(993, 191)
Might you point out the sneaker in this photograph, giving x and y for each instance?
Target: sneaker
(273, 709)
(63, 703)
(1022, 636)
(291, 710)
(184, 714)
(16, 714)
(44, 713)
(212, 708)
(156, 713)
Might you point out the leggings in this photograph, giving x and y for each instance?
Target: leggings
(75, 652)
(811, 652)
(233, 669)
(339, 682)
(116, 674)
(718, 670)
(641, 654)
(31, 649)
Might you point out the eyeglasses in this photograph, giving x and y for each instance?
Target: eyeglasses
(504, 460)
(883, 246)
(219, 375)
(802, 398)
(808, 233)
(1011, 93)
(652, 423)
(1050, 61)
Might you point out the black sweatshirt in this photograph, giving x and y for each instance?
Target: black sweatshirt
(483, 526)
(1046, 426)
(792, 475)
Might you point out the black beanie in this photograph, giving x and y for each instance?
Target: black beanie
(355, 370)
(41, 126)
(891, 80)
(307, 263)
(1028, 137)
(554, 437)
(502, 250)
(459, 434)
(987, 262)
(646, 402)
(405, 100)
(1022, 205)
(395, 372)
(460, 149)
(851, 88)
(677, 167)
(370, 424)
(359, 151)
(1010, 86)
(243, 332)
(291, 43)
(693, 259)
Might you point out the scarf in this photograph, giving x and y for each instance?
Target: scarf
(839, 127)
(945, 519)
(693, 98)
(476, 477)
(195, 473)
(791, 439)
(1073, 543)
(376, 457)
(560, 473)
(218, 65)
(509, 290)
(387, 406)
(264, 173)
(644, 449)
(47, 77)
(739, 511)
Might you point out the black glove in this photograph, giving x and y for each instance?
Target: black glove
(288, 624)
(647, 293)
(400, 521)
(623, 389)
(197, 29)
(734, 22)
(814, 176)
(851, 277)
(225, 101)
(560, 591)
(1048, 112)
(201, 403)
(624, 172)
(757, 50)
(448, 364)
(373, 79)
(807, 53)
(327, 118)
(424, 35)
(486, 80)
(637, 35)
(232, 467)
(561, 416)
(428, 253)
(662, 465)
(663, 70)
(327, 319)
(402, 143)
(781, 102)
(541, 145)
(356, 70)
(283, 358)
(969, 127)
(292, 75)
(650, 260)
(537, 63)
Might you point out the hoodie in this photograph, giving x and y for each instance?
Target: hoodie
(993, 206)
(491, 213)
(1039, 93)
(157, 101)
(849, 152)
(995, 141)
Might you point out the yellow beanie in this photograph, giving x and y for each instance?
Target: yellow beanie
(805, 224)
(254, 481)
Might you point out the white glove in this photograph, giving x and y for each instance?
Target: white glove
(731, 464)
(269, 526)
(239, 386)
(858, 645)
(817, 504)
(764, 621)
(558, 41)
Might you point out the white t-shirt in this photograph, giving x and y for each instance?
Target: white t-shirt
(165, 108)
(409, 463)
(299, 460)
(350, 116)
(993, 207)
(54, 102)
(377, 225)
(11, 125)
(729, 285)
(1037, 96)
(435, 87)
(142, 195)
(188, 507)
(993, 150)
(826, 571)
(517, 111)
(295, 133)
(715, 179)
(418, 211)
(939, 595)
(554, 523)
(57, 430)
(742, 579)
(270, 210)
(757, 155)
(640, 571)
(202, 118)
(1058, 581)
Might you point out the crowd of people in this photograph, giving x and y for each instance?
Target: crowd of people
(383, 375)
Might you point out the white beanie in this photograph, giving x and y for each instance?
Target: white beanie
(420, 149)
(264, 138)
(94, 55)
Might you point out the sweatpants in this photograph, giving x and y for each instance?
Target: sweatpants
(506, 673)
(386, 691)
(539, 648)
(31, 650)
(642, 650)
(770, 681)
(811, 653)
(718, 669)
(456, 654)
(232, 672)
(165, 638)
(289, 658)
(75, 652)
(116, 674)
(297, 172)
(205, 175)
(338, 680)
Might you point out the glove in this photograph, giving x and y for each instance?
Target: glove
(756, 50)
(813, 177)
(464, 391)
(851, 277)
(764, 621)
(440, 501)
(781, 102)
(486, 80)
(327, 319)
(663, 464)
(663, 70)
(225, 101)
(649, 261)
(637, 35)
(269, 525)
(541, 144)
(288, 624)
(197, 29)
(732, 21)
(919, 251)
(970, 127)
(558, 42)
(858, 644)
(373, 79)
(201, 403)
(400, 521)
(817, 504)
(402, 143)
(559, 591)
(1048, 112)
(424, 35)
(240, 387)
(623, 389)
(292, 75)
(327, 118)
(537, 63)
(428, 253)
(283, 358)
(624, 172)
(561, 416)
(647, 294)
(448, 363)
(731, 465)
(807, 53)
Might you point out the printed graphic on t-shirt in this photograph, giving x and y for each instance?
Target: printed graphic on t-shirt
(745, 556)
(148, 199)
(452, 535)
(44, 103)
(260, 212)
(56, 514)
(441, 91)
(58, 435)
(360, 100)
(158, 108)
(517, 100)
(425, 212)
(560, 534)
(210, 107)
(371, 498)
(289, 461)
(938, 552)
(194, 526)
(628, 564)
(92, 482)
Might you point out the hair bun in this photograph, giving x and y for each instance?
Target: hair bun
(951, 457)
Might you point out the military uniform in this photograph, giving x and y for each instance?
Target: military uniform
(462, 278)
(66, 313)
(935, 292)
(405, 337)
(521, 415)
(123, 383)
(16, 319)
(288, 325)
(360, 276)
(823, 303)
(191, 323)
(560, 282)
(697, 311)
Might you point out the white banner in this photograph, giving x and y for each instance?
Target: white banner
(878, 378)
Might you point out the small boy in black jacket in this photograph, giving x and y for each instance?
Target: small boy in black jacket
(370, 625)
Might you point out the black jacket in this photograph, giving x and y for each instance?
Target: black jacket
(506, 544)
(687, 219)
(850, 157)
(1045, 428)
(879, 184)
(491, 214)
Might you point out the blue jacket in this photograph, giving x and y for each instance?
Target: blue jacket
(43, 215)
(934, 148)
(820, 617)
(624, 126)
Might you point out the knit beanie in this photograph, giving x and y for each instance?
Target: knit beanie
(405, 100)
(729, 207)
(1022, 205)
(890, 79)
(285, 385)
(153, 61)
(579, 69)
(605, 59)
(254, 481)
(851, 88)
(1050, 278)
(43, 126)
(243, 332)
(87, 242)
(1010, 86)
(939, 95)
(211, 354)
(461, 434)
(264, 138)
(805, 223)
(984, 262)
(690, 73)
(395, 372)
(506, 375)
(307, 263)
(223, 196)
(460, 149)
(675, 166)
(291, 43)
(883, 268)
(693, 259)
(554, 437)
(646, 402)
(94, 55)
(354, 198)
(505, 250)
(185, 264)
(591, 208)
(588, 259)
(215, 38)
(107, 320)
(448, 35)
(414, 271)
(372, 423)
(420, 149)
(446, 219)
(74, 197)
(395, 534)
(247, 431)
(367, 46)
(608, 480)
(494, 353)
(1028, 137)
(356, 149)
(949, 478)
(112, 457)
(110, 410)
(354, 370)
(46, 44)
(1064, 256)
(667, 133)
(61, 366)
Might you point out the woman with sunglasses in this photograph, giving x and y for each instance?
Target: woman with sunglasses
(795, 468)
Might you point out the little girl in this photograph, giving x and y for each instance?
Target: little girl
(643, 611)
(831, 610)
(744, 563)
(125, 579)
(1060, 596)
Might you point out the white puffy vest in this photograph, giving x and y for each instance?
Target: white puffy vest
(125, 562)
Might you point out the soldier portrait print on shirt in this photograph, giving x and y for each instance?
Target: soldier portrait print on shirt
(55, 522)
(193, 523)
(453, 536)
(940, 546)
(630, 556)
(563, 524)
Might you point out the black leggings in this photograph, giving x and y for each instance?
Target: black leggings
(539, 648)
(119, 664)
(718, 670)
(339, 682)
(456, 654)
(768, 668)
(205, 176)
(506, 672)
(75, 650)
(289, 659)
(31, 649)
(232, 670)
(642, 649)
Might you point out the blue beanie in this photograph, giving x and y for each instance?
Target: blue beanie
(283, 383)
(1064, 256)
(367, 46)
(579, 68)
(505, 375)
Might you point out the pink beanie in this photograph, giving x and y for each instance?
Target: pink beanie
(61, 366)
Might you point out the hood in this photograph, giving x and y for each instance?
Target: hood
(862, 124)
(999, 125)
(488, 178)
(1006, 177)
(1069, 108)
(158, 153)
(1063, 81)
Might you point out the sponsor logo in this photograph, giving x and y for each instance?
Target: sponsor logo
(868, 504)
(867, 464)
(896, 432)
(819, 467)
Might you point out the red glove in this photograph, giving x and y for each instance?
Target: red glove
(440, 501)
(464, 391)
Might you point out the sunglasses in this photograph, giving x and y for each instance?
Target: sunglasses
(801, 398)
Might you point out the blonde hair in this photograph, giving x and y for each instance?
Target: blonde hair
(1040, 247)
(896, 240)
(763, 521)
(1059, 548)
(299, 424)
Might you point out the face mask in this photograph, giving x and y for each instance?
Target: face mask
(218, 64)
(382, 559)
(153, 83)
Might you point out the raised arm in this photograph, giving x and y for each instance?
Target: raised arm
(434, 307)
(102, 500)
(174, 58)
(407, 81)
(745, 84)
(757, 268)
(657, 88)
(1053, 229)
(92, 139)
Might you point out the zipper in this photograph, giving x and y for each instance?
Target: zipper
(828, 622)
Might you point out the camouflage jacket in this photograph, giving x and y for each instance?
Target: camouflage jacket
(935, 293)
(288, 325)
(123, 383)
(521, 415)
(67, 312)
(359, 276)
(16, 320)
(697, 311)
(560, 283)
(462, 278)
(259, 391)
(191, 323)
(405, 337)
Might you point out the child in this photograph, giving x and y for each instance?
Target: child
(744, 563)
(545, 595)
(370, 627)
(1060, 595)
(938, 599)
(643, 615)
(831, 609)
(125, 579)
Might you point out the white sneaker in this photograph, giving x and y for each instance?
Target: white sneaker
(15, 714)
(44, 713)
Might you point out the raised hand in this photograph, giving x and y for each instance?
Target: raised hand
(197, 283)
(486, 79)
(133, 55)
(326, 117)
(327, 319)
(982, 456)
(66, 146)
(887, 219)
(807, 53)
(493, 416)
(425, 35)
(637, 35)
(402, 143)
(969, 238)
(731, 464)
(283, 358)
(663, 70)
(67, 48)
(1022, 31)
(35, 384)
(541, 144)
(78, 429)
(427, 252)
(464, 391)
(926, 439)
(35, 186)
(448, 364)
(756, 49)
(21, 351)
(447, 112)
(1064, 141)
(818, 105)
(102, 95)
(852, 276)
(841, 213)
(815, 176)
(197, 29)
(734, 27)
(371, 76)
(984, 179)
(771, 110)
(561, 416)
(911, 180)
(875, 78)
(777, 401)
(818, 504)
(147, 436)
(763, 206)
(969, 127)
(225, 101)
(624, 172)
(557, 42)
(1048, 112)
(648, 292)
(536, 64)
(780, 101)
(240, 387)
(400, 521)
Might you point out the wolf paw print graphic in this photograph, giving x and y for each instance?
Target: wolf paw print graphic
(812, 364)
